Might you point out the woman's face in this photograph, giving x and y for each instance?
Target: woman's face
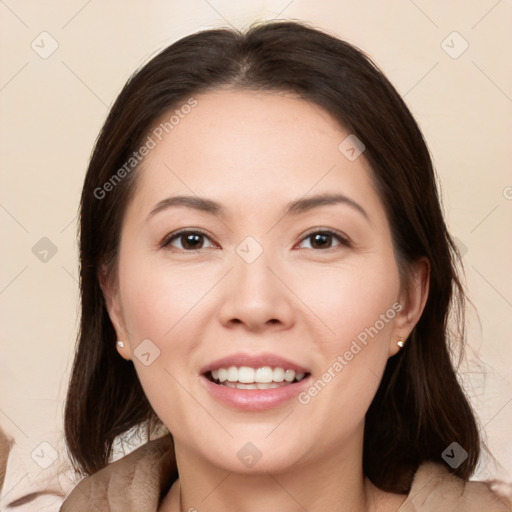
(261, 285)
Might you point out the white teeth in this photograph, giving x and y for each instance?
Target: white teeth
(246, 386)
(278, 375)
(270, 385)
(265, 376)
(245, 374)
(232, 374)
(289, 375)
(257, 385)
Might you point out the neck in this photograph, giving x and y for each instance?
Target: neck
(334, 482)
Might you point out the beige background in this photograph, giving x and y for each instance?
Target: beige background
(52, 109)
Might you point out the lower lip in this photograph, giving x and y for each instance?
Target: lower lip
(254, 399)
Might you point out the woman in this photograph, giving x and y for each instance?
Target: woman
(266, 273)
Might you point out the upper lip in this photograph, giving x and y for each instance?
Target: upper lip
(253, 361)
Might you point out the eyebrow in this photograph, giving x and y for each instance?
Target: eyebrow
(293, 208)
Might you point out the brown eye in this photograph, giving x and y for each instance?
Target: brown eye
(189, 240)
(322, 240)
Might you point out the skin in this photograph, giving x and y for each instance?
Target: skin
(254, 152)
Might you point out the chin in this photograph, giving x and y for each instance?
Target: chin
(256, 457)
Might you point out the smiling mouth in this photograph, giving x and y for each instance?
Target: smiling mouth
(245, 377)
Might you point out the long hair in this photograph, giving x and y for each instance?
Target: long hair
(420, 407)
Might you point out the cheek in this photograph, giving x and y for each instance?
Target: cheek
(335, 303)
(338, 309)
(358, 304)
(157, 298)
(349, 299)
(163, 303)
(157, 305)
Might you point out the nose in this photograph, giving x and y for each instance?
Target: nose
(257, 296)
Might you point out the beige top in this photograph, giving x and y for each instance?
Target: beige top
(138, 482)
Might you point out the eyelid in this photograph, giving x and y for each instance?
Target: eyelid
(175, 234)
(343, 239)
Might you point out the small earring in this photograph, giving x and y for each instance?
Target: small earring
(120, 344)
(400, 343)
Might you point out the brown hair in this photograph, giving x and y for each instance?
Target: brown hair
(419, 408)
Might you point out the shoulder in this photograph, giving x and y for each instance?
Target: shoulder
(435, 488)
(134, 482)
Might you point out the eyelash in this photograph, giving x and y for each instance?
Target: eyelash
(344, 241)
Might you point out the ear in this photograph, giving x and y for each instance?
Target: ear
(412, 299)
(109, 287)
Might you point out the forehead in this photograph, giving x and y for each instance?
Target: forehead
(235, 145)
